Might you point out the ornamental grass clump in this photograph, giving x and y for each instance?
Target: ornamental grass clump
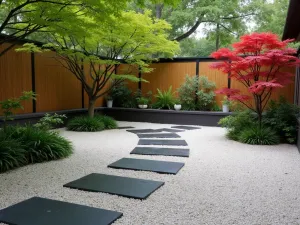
(20, 146)
(109, 122)
(258, 136)
(91, 124)
(85, 124)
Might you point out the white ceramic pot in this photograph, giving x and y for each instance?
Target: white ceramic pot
(225, 108)
(177, 107)
(143, 106)
(109, 103)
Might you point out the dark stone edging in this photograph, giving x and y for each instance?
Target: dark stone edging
(138, 115)
(166, 116)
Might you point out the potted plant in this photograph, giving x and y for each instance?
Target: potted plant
(142, 102)
(225, 104)
(109, 101)
(177, 105)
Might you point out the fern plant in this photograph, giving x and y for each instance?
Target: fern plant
(165, 99)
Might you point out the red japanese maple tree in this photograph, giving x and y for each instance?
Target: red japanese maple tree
(255, 61)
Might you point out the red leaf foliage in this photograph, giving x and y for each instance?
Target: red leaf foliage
(256, 61)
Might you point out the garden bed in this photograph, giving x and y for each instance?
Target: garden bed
(139, 115)
(166, 116)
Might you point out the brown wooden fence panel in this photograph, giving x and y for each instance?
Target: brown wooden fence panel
(287, 91)
(15, 76)
(57, 88)
(216, 76)
(165, 75)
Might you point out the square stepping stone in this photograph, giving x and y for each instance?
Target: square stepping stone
(159, 135)
(147, 165)
(180, 152)
(169, 130)
(42, 211)
(162, 142)
(125, 127)
(142, 131)
(186, 127)
(123, 186)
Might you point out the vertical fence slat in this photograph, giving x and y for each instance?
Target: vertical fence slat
(33, 80)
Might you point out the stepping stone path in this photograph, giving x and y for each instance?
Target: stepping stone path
(142, 131)
(125, 127)
(147, 165)
(37, 211)
(123, 186)
(159, 135)
(169, 130)
(180, 152)
(41, 211)
(186, 127)
(162, 142)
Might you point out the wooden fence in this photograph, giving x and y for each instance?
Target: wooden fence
(58, 89)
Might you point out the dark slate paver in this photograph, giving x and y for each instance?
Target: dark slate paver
(180, 152)
(125, 127)
(142, 131)
(186, 127)
(169, 130)
(148, 165)
(41, 211)
(162, 142)
(159, 135)
(123, 186)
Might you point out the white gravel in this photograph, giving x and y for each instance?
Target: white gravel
(222, 182)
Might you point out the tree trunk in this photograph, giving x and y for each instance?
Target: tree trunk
(218, 37)
(158, 9)
(91, 109)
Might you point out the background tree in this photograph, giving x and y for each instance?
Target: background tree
(132, 37)
(259, 71)
(189, 16)
(197, 47)
(272, 18)
(21, 19)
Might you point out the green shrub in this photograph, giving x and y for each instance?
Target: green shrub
(237, 123)
(109, 122)
(12, 153)
(196, 93)
(259, 136)
(142, 101)
(8, 106)
(216, 108)
(50, 121)
(165, 100)
(85, 123)
(187, 93)
(123, 96)
(205, 94)
(282, 117)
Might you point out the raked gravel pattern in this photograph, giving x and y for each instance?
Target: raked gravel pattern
(222, 182)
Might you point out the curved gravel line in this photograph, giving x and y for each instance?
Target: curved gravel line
(223, 182)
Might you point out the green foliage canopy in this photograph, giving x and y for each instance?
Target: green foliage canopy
(131, 38)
